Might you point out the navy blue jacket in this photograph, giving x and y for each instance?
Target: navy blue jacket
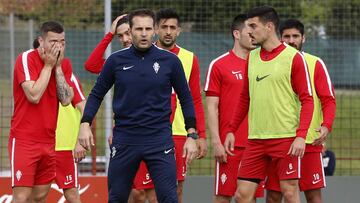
(143, 84)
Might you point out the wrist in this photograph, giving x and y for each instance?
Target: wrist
(192, 135)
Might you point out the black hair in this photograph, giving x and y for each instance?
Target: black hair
(51, 26)
(36, 43)
(123, 20)
(292, 23)
(265, 14)
(238, 23)
(167, 13)
(142, 13)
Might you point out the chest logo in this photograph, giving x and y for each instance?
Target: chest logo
(258, 79)
(127, 67)
(238, 74)
(156, 67)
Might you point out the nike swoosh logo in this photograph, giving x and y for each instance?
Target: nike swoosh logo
(289, 172)
(261, 78)
(127, 67)
(67, 183)
(315, 181)
(235, 72)
(167, 151)
(146, 182)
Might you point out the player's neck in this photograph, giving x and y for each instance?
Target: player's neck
(271, 43)
(240, 51)
(158, 44)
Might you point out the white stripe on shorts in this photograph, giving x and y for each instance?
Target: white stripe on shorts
(12, 162)
(217, 178)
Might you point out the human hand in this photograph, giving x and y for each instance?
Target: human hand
(79, 152)
(49, 57)
(85, 137)
(220, 153)
(110, 139)
(202, 147)
(297, 148)
(229, 143)
(113, 25)
(324, 132)
(190, 150)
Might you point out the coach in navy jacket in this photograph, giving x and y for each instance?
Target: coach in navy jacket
(143, 76)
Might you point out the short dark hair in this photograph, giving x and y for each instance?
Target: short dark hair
(36, 43)
(265, 14)
(238, 23)
(51, 26)
(167, 13)
(292, 23)
(123, 20)
(142, 13)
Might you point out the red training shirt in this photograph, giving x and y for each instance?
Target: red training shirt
(35, 122)
(225, 79)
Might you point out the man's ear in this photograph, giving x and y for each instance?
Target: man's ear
(304, 39)
(179, 31)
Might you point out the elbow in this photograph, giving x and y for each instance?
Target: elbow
(33, 99)
(65, 102)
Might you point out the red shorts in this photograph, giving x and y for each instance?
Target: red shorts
(32, 163)
(312, 174)
(181, 168)
(226, 175)
(66, 170)
(142, 179)
(258, 155)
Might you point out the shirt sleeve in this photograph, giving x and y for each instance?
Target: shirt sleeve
(78, 92)
(103, 84)
(181, 87)
(242, 106)
(95, 61)
(300, 81)
(25, 68)
(194, 84)
(213, 80)
(325, 92)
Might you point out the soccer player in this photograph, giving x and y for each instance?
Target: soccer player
(168, 27)
(66, 144)
(144, 76)
(67, 129)
(223, 85)
(120, 28)
(312, 172)
(275, 80)
(41, 78)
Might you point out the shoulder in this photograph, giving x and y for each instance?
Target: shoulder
(120, 52)
(163, 52)
(218, 61)
(27, 57)
(310, 56)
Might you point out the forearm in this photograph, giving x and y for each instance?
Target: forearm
(64, 92)
(213, 120)
(35, 89)
(95, 61)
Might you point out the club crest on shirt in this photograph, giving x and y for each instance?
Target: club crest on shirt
(156, 67)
